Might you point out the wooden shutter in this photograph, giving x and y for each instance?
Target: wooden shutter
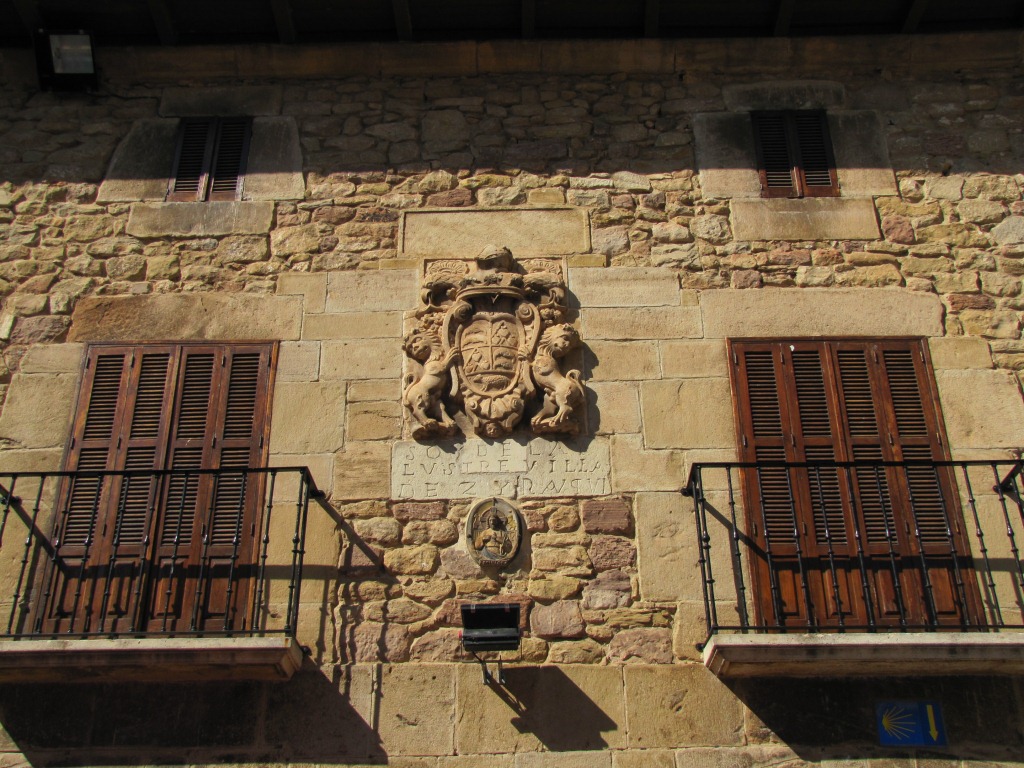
(794, 154)
(210, 159)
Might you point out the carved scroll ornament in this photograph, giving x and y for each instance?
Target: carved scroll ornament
(490, 342)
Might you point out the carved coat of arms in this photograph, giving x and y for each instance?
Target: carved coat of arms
(489, 342)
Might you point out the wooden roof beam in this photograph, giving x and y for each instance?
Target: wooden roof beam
(28, 12)
(163, 21)
(403, 19)
(784, 17)
(652, 18)
(914, 15)
(528, 24)
(284, 21)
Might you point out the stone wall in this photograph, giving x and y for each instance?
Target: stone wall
(632, 180)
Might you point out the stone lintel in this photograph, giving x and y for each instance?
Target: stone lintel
(865, 655)
(200, 219)
(816, 218)
(454, 233)
(149, 659)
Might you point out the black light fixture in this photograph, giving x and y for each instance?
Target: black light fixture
(64, 60)
(490, 627)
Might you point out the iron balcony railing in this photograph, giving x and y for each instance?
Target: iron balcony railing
(153, 553)
(869, 546)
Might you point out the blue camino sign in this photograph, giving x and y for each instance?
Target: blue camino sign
(910, 724)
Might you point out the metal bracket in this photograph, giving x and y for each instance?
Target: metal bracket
(1008, 482)
(490, 679)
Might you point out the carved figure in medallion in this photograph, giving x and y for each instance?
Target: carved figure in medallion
(494, 531)
(423, 394)
(489, 319)
(563, 394)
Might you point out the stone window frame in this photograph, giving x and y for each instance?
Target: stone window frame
(214, 150)
(794, 143)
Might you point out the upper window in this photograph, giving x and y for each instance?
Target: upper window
(794, 154)
(210, 158)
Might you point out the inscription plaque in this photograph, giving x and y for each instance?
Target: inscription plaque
(513, 468)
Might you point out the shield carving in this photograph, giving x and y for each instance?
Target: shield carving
(490, 345)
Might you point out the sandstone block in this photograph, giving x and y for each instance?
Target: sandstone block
(200, 219)
(612, 552)
(35, 330)
(564, 760)
(982, 409)
(372, 641)
(554, 587)
(687, 413)
(816, 218)
(652, 758)
(53, 358)
(464, 233)
(667, 551)
(440, 645)
(671, 706)
(312, 288)
(561, 619)
(353, 325)
(274, 167)
(362, 470)
(637, 469)
(606, 516)
(374, 421)
(141, 163)
(385, 531)
(298, 361)
(694, 359)
(954, 352)
(418, 560)
(213, 316)
(360, 359)
(820, 312)
(418, 511)
(611, 589)
(1010, 231)
(374, 389)
(641, 646)
(221, 100)
(586, 651)
(294, 431)
(725, 153)
(372, 291)
(624, 287)
(622, 360)
(37, 410)
(642, 323)
(568, 561)
(614, 407)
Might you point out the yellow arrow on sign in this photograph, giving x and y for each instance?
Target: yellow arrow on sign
(932, 729)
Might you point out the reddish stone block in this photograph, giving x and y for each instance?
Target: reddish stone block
(606, 516)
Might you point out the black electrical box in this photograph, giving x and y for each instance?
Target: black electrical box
(490, 627)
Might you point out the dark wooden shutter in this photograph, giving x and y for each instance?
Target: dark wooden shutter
(794, 154)
(210, 159)
(825, 401)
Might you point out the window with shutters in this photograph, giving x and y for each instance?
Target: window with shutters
(794, 154)
(866, 528)
(209, 161)
(163, 551)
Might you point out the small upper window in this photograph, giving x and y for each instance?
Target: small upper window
(794, 154)
(209, 160)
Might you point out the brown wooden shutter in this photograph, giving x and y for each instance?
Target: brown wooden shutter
(210, 159)
(794, 154)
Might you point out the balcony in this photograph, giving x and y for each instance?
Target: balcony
(152, 575)
(866, 568)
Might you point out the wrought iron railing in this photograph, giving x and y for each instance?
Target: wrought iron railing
(152, 553)
(915, 546)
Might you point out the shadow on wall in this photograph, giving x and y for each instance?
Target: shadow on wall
(821, 719)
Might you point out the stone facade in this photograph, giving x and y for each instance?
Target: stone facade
(624, 165)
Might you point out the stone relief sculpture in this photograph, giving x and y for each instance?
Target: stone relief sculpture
(490, 342)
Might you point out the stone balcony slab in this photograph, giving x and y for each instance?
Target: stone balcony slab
(865, 655)
(164, 659)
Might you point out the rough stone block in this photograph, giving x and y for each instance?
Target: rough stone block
(221, 101)
(642, 323)
(645, 758)
(694, 359)
(417, 709)
(208, 219)
(354, 325)
(274, 167)
(309, 417)
(141, 164)
(784, 312)
(173, 316)
(960, 352)
(667, 550)
(564, 709)
(53, 358)
(564, 760)
(724, 145)
(372, 291)
(312, 288)
(622, 360)
(687, 413)
(606, 516)
(526, 232)
(614, 407)
(360, 359)
(636, 469)
(624, 287)
(374, 421)
(37, 411)
(815, 218)
(362, 471)
(670, 706)
(298, 361)
(782, 94)
(982, 409)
